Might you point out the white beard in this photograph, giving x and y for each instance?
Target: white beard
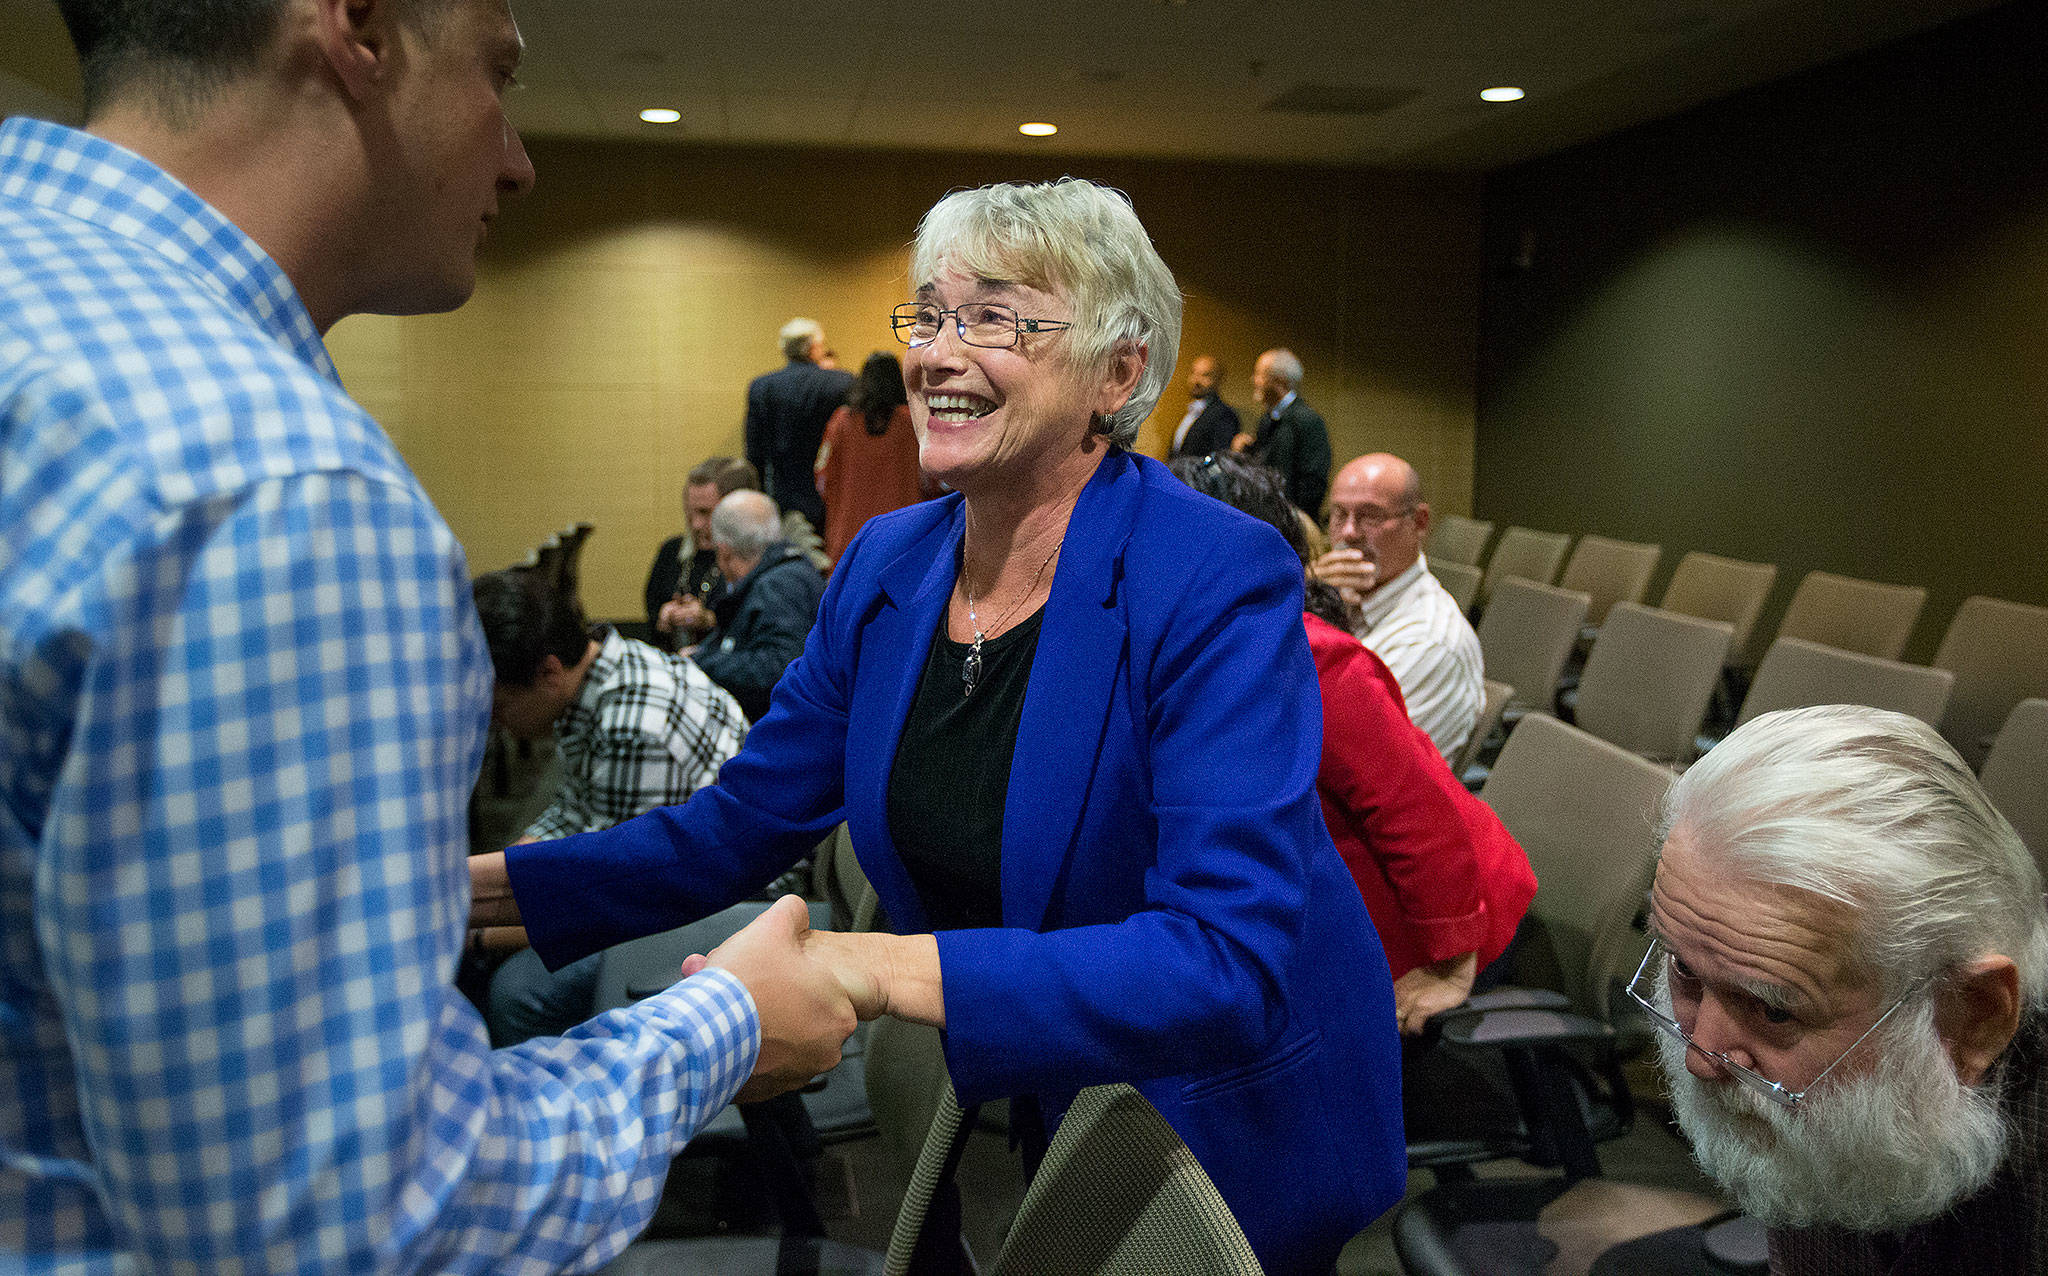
(1893, 1147)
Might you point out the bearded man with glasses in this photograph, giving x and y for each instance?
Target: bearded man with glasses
(1848, 972)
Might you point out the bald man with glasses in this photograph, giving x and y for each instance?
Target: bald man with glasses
(1378, 524)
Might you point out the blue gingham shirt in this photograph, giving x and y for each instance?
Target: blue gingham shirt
(242, 698)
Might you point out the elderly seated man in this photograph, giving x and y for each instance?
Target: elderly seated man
(771, 598)
(1848, 967)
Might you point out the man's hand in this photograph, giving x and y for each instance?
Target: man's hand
(490, 892)
(1431, 989)
(805, 1013)
(1243, 442)
(1349, 571)
(683, 614)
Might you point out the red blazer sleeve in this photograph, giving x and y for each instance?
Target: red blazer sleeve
(1439, 873)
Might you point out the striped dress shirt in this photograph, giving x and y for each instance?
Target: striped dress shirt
(1414, 624)
(243, 694)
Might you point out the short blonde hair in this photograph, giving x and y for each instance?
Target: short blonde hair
(1078, 239)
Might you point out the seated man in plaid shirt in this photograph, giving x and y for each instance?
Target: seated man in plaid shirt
(636, 728)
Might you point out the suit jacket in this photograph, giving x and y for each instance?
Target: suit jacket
(1297, 444)
(1174, 913)
(1212, 431)
(786, 414)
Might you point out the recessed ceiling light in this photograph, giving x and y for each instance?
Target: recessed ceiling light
(1502, 94)
(1038, 129)
(661, 115)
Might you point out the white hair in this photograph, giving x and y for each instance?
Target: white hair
(746, 523)
(1078, 239)
(797, 335)
(1872, 809)
(1283, 365)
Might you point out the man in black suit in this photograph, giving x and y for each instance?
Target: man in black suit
(1290, 437)
(1210, 423)
(786, 414)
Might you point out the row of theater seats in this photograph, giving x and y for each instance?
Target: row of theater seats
(1651, 674)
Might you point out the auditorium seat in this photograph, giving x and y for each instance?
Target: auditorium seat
(1867, 616)
(1491, 707)
(1715, 588)
(2016, 774)
(1796, 673)
(1609, 572)
(1460, 580)
(1525, 635)
(1118, 1194)
(1648, 680)
(1457, 539)
(1524, 553)
(1583, 809)
(1998, 651)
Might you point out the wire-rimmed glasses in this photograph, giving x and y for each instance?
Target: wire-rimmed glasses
(987, 324)
(1658, 958)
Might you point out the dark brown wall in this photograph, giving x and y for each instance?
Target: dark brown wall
(1805, 325)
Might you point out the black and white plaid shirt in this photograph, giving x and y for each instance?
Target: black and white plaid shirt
(647, 730)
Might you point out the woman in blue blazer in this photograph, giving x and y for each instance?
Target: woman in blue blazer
(1146, 891)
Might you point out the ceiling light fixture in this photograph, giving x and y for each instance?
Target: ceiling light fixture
(1502, 94)
(661, 115)
(1040, 129)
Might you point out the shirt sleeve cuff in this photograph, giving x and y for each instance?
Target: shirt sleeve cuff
(715, 1014)
(1446, 937)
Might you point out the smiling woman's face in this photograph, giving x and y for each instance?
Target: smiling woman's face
(982, 414)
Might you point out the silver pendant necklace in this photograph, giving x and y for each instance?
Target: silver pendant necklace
(970, 668)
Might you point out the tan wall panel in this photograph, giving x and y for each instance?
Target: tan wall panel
(623, 307)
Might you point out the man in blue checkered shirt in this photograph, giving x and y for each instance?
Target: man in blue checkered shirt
(243, 694)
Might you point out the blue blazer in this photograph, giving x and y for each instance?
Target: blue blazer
(1174, 913)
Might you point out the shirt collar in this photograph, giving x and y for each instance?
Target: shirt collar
(611, 652)
(1281, 406)
(1383, 600)
(76, 174)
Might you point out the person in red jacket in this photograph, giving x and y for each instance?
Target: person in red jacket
(1445, 882)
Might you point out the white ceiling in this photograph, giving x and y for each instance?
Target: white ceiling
(1192, 79)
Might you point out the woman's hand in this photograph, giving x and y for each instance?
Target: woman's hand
(884, 974)
(1431, 989)
(490, 892)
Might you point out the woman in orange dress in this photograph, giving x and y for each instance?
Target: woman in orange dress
(867, 464)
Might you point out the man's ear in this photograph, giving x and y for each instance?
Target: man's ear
(1422, 518)
(550, 671)
(1976, 1013)
(354, 39)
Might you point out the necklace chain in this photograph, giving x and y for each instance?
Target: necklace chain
(970, 668)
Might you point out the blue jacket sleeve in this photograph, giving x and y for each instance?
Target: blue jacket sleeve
(771, 805)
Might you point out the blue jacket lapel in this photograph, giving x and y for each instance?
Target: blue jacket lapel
(1081, 647)
(914, 590)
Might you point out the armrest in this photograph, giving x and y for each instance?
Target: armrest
(1501, 1028)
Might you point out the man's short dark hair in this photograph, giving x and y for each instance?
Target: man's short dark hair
(729, 473)
(182, 51)
(525, 622)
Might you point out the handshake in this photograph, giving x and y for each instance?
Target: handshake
(810, 987)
